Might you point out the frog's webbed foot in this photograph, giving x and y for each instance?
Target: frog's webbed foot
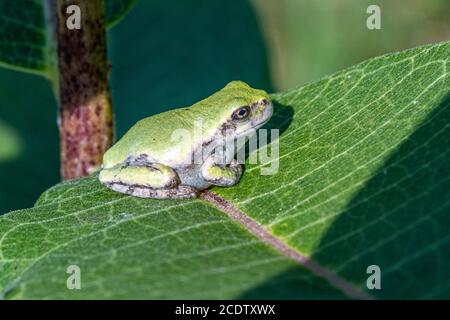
(152, 180)
(221, 175)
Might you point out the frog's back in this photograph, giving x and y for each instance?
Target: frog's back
(154, 137)
(157, 136)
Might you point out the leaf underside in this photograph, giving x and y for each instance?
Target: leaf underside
(363, 180)
(25, 37)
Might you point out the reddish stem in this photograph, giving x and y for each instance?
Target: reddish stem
(85, 110)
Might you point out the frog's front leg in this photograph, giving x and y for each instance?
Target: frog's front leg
(220, 174)
(152, 180)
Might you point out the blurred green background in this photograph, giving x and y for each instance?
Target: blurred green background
(309, 39)
(167, 54)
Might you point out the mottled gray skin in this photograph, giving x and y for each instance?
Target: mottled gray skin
(147, 163)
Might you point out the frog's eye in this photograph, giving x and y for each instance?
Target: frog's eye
(241, 113)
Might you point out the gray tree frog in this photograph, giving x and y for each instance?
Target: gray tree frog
(144, 163)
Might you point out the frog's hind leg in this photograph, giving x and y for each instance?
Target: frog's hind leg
(153, 180)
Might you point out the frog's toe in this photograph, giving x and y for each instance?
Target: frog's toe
(179, 192)
(183, 192)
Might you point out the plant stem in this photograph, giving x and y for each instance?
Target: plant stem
(85, 109)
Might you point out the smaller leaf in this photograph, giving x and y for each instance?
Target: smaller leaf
(25, 36)
(115, 10)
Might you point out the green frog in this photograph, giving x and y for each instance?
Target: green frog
(146, 163)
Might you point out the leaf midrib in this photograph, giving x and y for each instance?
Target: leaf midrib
(283, 248)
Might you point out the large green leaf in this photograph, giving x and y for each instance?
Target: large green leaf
(24, 35)
(363, 180)
(133, 248)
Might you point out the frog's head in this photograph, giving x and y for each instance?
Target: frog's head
(242, 108)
